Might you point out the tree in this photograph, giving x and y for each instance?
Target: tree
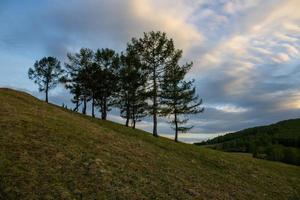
(78, 77)
(76, 91)
(131, 96)
(155, 51)
(46, 73)
(107, 63)
(91, 83)
(178, 96)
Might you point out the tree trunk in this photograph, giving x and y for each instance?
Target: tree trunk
(76, 106)
(84, 106)
(154, 104)
(103, 110)
(104, 115)
(127, 114)
(127, 121)
(176, 128)
(93, 106)
(133, 118)
(46, 91)
(155, 125)
(46, 96)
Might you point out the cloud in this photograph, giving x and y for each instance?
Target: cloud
(227, 108)
(235, 6)
(171, 17)
(58, 26)
(281, 58)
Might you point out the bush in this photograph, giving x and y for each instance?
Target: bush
(292, 156)
(275, 152)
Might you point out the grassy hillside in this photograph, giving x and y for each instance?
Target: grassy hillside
(47, 152)
(280, 141)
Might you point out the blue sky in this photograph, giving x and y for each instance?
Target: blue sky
(246, 53)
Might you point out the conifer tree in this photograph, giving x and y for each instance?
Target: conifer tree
(179, 96)
(76, 91)
(47, 73)
(92, 79)
(156, 50)
(77, 76)
(107, 60)
(132, 79)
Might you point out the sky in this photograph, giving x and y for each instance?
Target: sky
(246, 53)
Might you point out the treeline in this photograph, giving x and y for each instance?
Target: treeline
(146, 79)
(278, 142)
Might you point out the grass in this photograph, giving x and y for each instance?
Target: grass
(47, 152)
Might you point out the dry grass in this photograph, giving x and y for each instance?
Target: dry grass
(47, 152)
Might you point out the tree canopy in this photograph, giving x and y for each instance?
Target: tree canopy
(46, 73)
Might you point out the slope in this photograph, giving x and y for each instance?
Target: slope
(47, 152)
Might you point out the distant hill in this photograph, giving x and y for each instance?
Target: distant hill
(279, 142)
(47, 152)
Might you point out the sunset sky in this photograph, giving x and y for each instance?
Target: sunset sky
(246, 53)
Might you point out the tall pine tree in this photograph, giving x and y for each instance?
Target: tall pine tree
(107, 63)
(132, 79)
(76, 91)
(78, 76)
(179, 96)
(156, 50)
(94, 74)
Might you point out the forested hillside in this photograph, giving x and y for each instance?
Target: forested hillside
(279, 142)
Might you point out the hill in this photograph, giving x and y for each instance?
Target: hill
(279, 142)
(47, 152)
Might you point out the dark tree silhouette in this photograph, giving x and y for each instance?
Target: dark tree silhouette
(76, 91)
(132, 79)
(46, 73)
(77, 76)
(93, 77)
(156, 50)
(107, 60)
(178, 96)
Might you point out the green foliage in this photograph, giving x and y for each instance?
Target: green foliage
(46, 73)
(156, 51)
(77, 76)
(93, 76)
(107, 61)
(278, 142)
(178, 95)
(47, 152)
(284, 154)
(275, 152)
(132, 84)
(139, 81)
(291, 155)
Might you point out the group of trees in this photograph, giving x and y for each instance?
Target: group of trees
(146, 79)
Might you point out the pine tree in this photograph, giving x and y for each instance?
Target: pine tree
(107, 60)
(76, 91)
(46, 73)
(93, 73)
(138, 106)
(132, 79)
(77, 76)
(156, 50)
(179, 96)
